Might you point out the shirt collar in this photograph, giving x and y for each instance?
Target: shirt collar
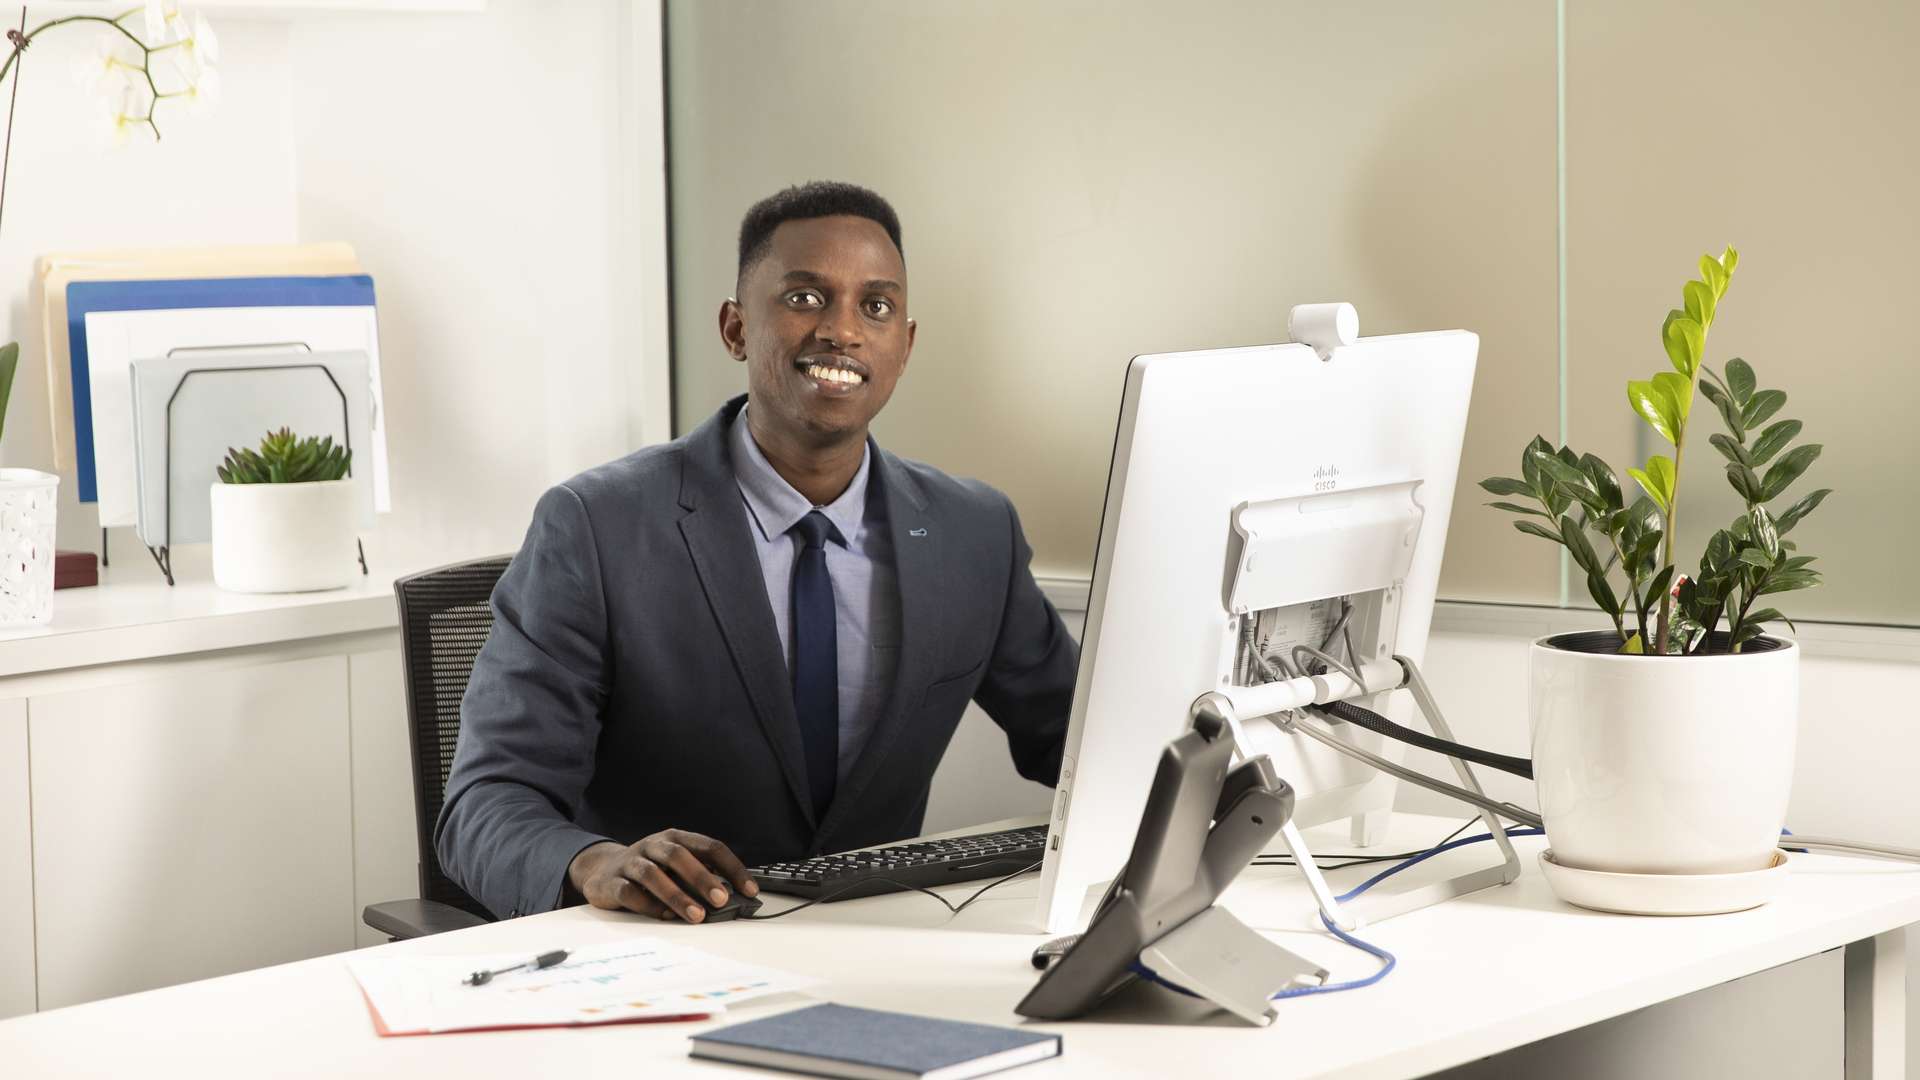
(775, 505)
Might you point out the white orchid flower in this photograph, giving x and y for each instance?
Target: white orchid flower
(178, 29)
(204, 41)
(101, 69)
(155, 15)
(205, 91)
(126, 108)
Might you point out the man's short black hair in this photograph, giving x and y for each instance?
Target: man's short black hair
(814, 199)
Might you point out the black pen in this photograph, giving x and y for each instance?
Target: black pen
(544, 960)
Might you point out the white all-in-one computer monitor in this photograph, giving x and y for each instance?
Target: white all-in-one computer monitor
(1257, 495)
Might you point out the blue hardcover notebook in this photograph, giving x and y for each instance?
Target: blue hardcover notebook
(868, 1044)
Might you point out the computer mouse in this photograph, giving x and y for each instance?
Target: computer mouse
(736, 906)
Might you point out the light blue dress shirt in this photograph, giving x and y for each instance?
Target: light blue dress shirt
(866, 586)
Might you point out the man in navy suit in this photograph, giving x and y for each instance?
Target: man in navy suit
(751, 644)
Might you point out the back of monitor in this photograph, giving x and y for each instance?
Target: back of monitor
(1228, 455)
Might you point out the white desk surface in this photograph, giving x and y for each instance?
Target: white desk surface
(1478, 975)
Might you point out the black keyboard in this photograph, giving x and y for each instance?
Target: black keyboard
(922, 863)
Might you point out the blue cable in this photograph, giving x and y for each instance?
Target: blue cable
(1388, 962)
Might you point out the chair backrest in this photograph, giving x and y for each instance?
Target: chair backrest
(445, 616)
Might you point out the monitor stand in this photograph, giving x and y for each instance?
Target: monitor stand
(1275, 704)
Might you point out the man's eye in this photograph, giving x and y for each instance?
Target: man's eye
(879, 308)
(805, 298)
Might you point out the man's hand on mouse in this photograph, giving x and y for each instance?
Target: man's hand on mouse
(663, 875)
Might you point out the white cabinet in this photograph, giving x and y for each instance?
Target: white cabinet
(16, 855)
(195, 782)
(190, 825)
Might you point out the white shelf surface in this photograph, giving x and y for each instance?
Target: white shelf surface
(134, 615)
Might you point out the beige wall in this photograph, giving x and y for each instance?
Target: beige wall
(1081, 182)
(1788, 130)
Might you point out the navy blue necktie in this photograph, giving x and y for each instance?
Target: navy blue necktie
(816, 660)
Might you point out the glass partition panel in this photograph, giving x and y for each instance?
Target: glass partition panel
(1080, 182)
(1787, 130)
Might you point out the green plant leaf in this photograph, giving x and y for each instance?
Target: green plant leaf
(1534, 528)
(1655, 407)
(1516, 508)
(1785, 581)
(1685, 342)
(1604, 481)
(1602, 594)
(1530, 468)
(1730, 259)
(1700, 299)
(1506, 485)
(1764, 531)
(1570, 481)
(1773, 440)
(1659, 585)
(1755, 557)
(1577, 545)
(1634, 646)
(1791, 515)
(1719, 549)
(1678, 390)
(1730, 450)
(1788, 469)
(1729, 411)
(1656, 479)
(1714, 275)
(9, 364)
(1744, 481)
(1764, 404)
(1767, 615)
(1740, 381)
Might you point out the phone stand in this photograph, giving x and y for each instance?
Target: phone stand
(1203, 823)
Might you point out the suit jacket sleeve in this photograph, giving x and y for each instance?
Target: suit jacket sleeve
(530, 720)
(1028, 686)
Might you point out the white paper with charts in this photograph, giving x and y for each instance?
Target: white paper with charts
(635, 979)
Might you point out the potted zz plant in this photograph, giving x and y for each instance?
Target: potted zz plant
(1663, 747)
(284, 515)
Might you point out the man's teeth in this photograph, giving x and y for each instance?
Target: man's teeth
(839, 375)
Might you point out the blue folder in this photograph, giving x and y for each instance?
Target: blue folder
(341, 290)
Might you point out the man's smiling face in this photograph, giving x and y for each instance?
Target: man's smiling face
(821, 321)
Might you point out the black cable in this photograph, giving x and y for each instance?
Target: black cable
(851, 885)
(1281, 858)
(1374, 722)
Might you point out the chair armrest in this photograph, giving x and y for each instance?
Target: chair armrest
(402, 919)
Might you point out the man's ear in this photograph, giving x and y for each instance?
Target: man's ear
(913, 328)
(733, 328)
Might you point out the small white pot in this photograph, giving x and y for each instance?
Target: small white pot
(1664, 764)
(28, 499)
(270, 538)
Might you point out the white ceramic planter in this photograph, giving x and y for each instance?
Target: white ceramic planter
(28, 499)
(284, 537)
(1664, 765)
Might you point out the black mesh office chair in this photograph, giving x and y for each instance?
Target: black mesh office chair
(444, 619)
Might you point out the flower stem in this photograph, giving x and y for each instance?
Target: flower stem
(6, 156)
(7, 65)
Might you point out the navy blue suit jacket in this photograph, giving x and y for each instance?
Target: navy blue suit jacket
(634, 681)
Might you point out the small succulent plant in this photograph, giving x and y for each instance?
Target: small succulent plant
(284, 458)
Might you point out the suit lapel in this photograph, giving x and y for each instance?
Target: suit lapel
(715, 528)
(917, 563)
